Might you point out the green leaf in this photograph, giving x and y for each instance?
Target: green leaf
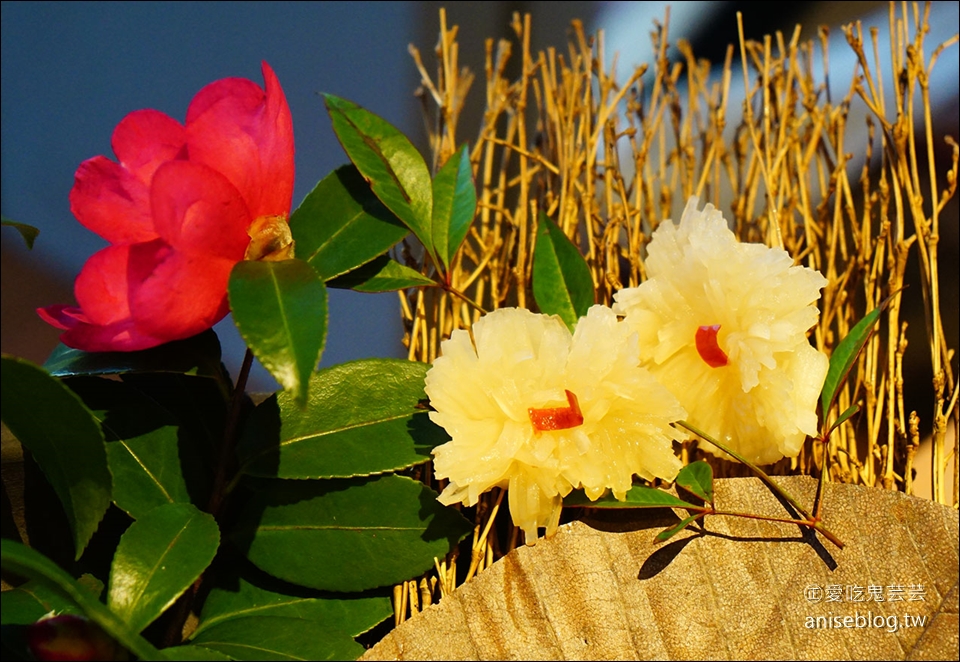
(158, 558)
(28, 563)
(279, 638)
(348, 535)
(189, 653)
(263, 595)
(341, 224)
(638, 496)
(847, 413)
(199, 355)
(385, 157)
(845, 355)
(562, 284)
(23, 606)
(361, 418)
(381, 275)
(152, 460)
(32, 600)
(674, 530)
(28, 232)
(28, 603)
(280, 309)
(93, 585)
(65, 440)
(697, 478)
(454, 205)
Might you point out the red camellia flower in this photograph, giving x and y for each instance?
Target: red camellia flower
(68, 637)
(179, 210)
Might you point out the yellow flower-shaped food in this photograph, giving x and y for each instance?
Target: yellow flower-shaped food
(540, 411)
(722, 325)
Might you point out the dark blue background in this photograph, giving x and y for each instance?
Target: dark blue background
(71, 71)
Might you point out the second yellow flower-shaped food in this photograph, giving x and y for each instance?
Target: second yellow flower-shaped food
(722, 325)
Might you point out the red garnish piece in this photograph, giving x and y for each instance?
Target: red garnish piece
(557, 418)
(708, 348)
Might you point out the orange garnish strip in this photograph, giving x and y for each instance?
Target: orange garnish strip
(708, 348)
(557, 418)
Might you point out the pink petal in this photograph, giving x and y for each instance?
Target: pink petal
(102, 289)
(197, 211)
(236, 128)
(105, 289)
(61, 316)
(109, 200)
(119, 337)
(113, 199)
(142, 295)
(102, 322)
(144, 139)
(180, 295)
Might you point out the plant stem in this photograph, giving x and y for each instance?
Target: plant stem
(181, 611)
(766, 518)
(709, 510)
(229, 436)
(460, 295)
(809, 520)
(818, 499)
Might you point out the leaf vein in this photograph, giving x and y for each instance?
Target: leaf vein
(123, 442)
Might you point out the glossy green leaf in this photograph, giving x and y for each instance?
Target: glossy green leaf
(697, 478)
(562, 284)
(28, 232)
(30, 564)
(280, 309)
(65, 440)
(454, 205)
(152, 460)
(92, 584)
(32, 600)
(262, 595)
(348, 535)
(158, 558)
(341, 224)
(28, 603)
(847, 413)
(674, 530)
(639, 496)
(845, 355)
(385, 157)
(362, 418)
(23, 606)
(189, 653)
(279, 638)
(381, 275)
(199, 355)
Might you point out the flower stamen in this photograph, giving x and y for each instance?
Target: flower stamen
(708, 348)
(270, 239)
(557, 418)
